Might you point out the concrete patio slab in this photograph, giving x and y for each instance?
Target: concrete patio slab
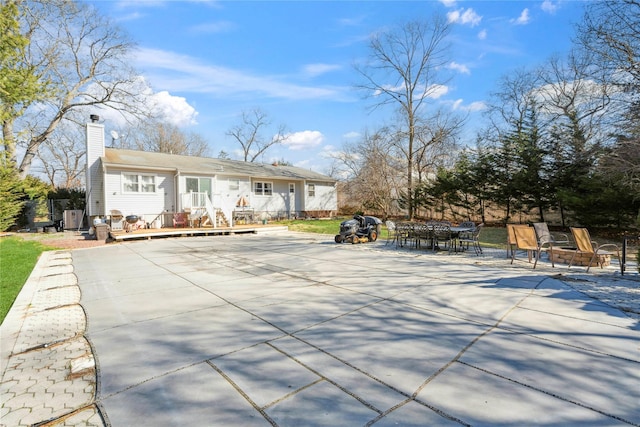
(292, 329)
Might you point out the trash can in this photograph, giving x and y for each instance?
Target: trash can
(102, 231)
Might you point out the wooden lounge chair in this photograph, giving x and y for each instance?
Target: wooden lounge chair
(585, 245)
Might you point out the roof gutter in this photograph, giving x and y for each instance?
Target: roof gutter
(134, 167)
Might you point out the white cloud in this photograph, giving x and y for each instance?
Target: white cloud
(436, 91)
(183, 73)
(476, 106)
(473, 107)
(482, 34)
(448, 3)
(464, 17)
(173, 109)
(549, 6)
(304, 139)
(313, 70)
(459, 67)
(523, 19)
(351, 135)
(168, 108)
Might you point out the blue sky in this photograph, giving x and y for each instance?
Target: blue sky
(207, 61)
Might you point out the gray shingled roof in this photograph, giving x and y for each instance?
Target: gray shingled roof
(205, 165)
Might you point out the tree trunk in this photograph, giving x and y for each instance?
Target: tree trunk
(9, 141)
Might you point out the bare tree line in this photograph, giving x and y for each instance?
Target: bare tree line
(559, 136)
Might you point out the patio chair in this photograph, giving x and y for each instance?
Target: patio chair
(525, 238)
(544, 236)
(403, 233)
(467, 224)
(180, 219)
(584, 245)
(442, 233)
(422, 232)
(392, 231)
(511, 237)
(472, 239)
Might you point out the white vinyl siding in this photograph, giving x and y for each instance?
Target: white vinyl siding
(325, 197)
(139, 203)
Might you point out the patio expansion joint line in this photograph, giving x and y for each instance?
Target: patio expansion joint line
(457, 357)
(382, 414)
(322, 377)
(420, 402)
(293, 393)
(243, 394)
(577, 347)
(549, 393)
(101, 397)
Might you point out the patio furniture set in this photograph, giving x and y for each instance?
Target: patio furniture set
(536, 239)
(436, 235)
(532, 239)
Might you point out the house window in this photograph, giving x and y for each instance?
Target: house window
(263, 188)
(147, 184)
(135, 183)
(312, 190)
(292, 188)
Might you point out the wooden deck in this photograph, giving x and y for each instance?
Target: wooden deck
(159, 233)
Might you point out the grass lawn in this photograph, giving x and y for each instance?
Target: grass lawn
(17, 259)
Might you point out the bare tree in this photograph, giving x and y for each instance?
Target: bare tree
(436, 140)
(83, 57)
(159, 137)
(574, 91)
(611, 30)
(63, 156)
(372, 175)
(250, 134)
(403, 71)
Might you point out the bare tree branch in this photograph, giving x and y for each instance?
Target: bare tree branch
(403, 71)
(249, 134)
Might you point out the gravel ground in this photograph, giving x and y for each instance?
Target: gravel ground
(63, 240)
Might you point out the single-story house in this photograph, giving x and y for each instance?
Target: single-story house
(155, 186)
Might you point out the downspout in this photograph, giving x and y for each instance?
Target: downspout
(103, 171)
(303, 206)
(176, 179)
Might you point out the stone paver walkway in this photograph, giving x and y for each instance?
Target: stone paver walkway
(48, 370)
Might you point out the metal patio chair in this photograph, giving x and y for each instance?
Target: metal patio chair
(585, 245)
(472, 238)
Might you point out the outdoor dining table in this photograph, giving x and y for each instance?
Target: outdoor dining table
(414, 230)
